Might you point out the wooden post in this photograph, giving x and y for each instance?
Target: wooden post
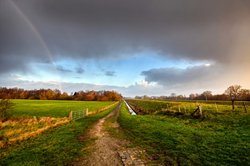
(87, 112)
(233, 102)
(70, 115)
(245, 108)
(216, 107)
(200, 108)
(179, 109)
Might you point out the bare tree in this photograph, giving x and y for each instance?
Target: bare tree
(207, 94)
(233, 91)
(173, 96)
(192, 96)
(244, 94)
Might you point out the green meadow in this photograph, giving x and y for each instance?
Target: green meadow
(56, 146)
(219, 139)
(187, 107)
(54, 108)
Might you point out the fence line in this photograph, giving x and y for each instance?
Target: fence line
(75, 115)
(101, 109)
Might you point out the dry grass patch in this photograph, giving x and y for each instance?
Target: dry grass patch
(19, 129)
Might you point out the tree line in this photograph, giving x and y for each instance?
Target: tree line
(49, 94)
(234, 92)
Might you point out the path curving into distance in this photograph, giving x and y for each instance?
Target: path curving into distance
(108, 150)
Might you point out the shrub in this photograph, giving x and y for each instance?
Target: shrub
(5, 108)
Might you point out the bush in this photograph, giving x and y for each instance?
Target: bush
(5, 108)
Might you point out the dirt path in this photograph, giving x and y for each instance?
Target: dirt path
(107, 150)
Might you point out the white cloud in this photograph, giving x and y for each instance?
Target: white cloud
(145, 84)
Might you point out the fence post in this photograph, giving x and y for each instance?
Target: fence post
(200, 108)
(179, 109)
(70, 115)
(245, 107)
(87, 112)
(216, 107)
(233, 99)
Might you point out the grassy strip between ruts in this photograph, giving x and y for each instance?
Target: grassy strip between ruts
(176, 141)
(55, 147)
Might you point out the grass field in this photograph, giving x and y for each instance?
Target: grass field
(57, 146)
(33, 117)
(221, 140)
(53, 108)
(187, 107)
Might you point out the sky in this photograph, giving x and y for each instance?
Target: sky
(140, 47)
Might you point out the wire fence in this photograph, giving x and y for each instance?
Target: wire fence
(75, 115)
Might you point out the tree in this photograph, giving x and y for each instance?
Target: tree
(24, 95)
(173, 96)
(192, 96)
(233, 91)
(64, 96)
(207, 94)
(244, 94)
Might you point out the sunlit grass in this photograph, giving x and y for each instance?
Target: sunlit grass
(187, 107)
(54, 108)
(19, 129)
(56, 146)
(174, 140)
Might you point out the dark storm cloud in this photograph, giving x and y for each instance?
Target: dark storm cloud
(18, 44)
(63, 69)
(170, 77)
(110, 73)
(79, 70)
(195, 29)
